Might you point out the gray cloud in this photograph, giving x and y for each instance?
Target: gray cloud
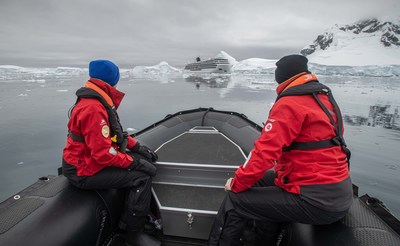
(145, 32)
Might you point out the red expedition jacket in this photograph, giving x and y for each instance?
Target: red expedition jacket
(297, 119)
(89, 119)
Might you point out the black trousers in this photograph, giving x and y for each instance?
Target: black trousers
(267, 204)
(138, 191)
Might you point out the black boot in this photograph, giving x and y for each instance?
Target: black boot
(139, 238)
(267, 232)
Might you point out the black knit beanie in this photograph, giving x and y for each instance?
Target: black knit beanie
(289, 66)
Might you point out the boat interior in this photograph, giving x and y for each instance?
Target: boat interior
(198, 150)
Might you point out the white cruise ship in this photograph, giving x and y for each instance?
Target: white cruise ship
(214, 65)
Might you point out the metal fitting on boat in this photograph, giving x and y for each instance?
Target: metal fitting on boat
(190, 220)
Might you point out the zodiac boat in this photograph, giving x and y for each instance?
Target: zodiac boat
(198, 150)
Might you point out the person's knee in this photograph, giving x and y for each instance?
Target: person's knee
(147, 180)
(230, 199)
(140, 179)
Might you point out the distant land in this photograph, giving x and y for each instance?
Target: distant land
(364, 43)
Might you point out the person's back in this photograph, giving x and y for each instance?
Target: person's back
(90, 120)
(320, 175)
(302, 140)
(95, 155)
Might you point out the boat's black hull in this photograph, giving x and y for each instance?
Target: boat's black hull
(52, 212)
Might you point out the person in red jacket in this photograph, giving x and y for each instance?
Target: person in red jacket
(95, 154)
(302, 140)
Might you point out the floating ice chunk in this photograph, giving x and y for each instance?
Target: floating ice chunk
(40, 81)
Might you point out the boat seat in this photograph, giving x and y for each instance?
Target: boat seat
(360, 226)
(67, 215)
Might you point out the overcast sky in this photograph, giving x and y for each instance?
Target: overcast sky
(51, 33)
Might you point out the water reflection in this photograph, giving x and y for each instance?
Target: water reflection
(384, 116)
(220, 81)
(375, 162)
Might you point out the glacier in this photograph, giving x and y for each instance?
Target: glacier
(254, 66)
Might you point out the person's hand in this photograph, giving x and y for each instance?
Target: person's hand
(228, 185)
(145, 151)
(141, 164)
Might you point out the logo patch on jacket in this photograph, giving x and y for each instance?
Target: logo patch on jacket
(112, 151)
(268, 127)
(105, 131)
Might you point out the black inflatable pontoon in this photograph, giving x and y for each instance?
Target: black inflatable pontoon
(198, 150)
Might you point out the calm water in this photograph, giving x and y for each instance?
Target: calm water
(34, 117)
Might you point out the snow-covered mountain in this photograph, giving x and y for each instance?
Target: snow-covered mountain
(367, 42)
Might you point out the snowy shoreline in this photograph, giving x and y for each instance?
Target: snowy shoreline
(248, 66)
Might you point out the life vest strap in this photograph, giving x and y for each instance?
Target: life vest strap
(97, 89)
(314, 144)
(76, 137)
(313, 88)
(116, 130)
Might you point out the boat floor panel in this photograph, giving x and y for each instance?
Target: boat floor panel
(201, 148)
(189, 197)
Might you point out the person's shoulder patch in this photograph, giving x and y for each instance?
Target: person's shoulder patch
(268, 127)
(105, 131)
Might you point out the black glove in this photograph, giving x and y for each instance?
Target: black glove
(145, 151)
(141, 164)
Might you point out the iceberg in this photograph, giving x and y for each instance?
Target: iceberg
(162, 69)
(30, 74)
(232, 61)
(70, 71)
(255, 66)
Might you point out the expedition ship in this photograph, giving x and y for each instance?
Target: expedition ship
(214, 65)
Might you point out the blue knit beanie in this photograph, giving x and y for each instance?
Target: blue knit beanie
(104, 70)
